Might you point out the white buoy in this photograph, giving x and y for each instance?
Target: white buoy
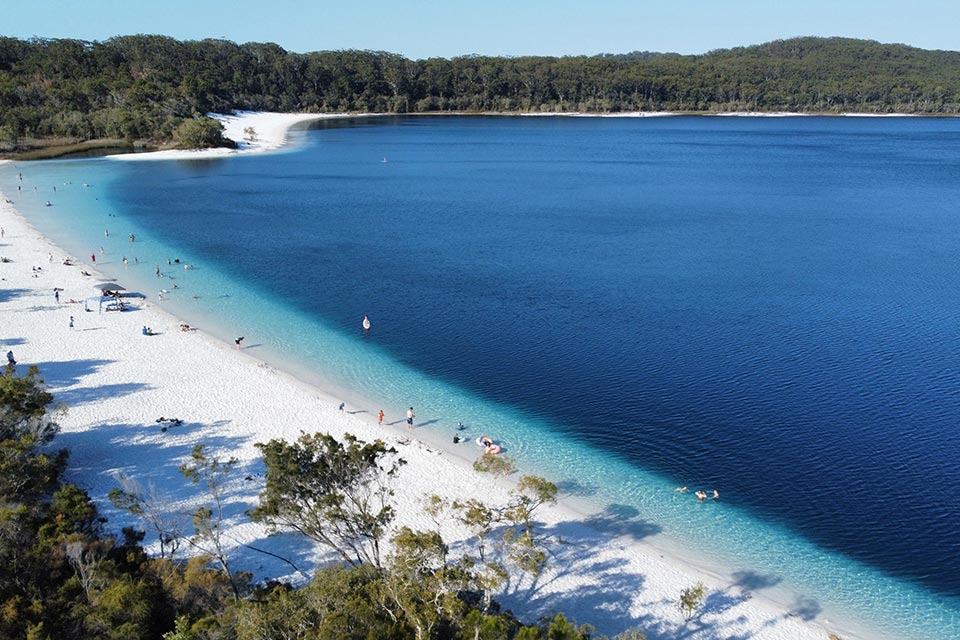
(366, 323)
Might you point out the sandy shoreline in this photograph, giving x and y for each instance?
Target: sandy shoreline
(117, 382)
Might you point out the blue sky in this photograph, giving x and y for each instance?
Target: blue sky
(447, 28)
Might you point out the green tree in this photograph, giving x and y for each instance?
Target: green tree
(334, 493)
(200, 133)
(690, 600)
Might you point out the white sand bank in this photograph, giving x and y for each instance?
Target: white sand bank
(269, 133)
(608, 570)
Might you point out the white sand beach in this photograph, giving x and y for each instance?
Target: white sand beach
(604, 569)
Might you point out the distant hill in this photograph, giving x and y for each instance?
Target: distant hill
(141, 88)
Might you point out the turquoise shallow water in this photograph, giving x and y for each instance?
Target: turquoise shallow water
(626, 306)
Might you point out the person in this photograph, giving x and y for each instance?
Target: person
(380, 418)
(184, 326)
(93, 258)
(10, 359)
(71, 322)
(701, 495)
(341, 407)
(456, 438)
(143, 331)
(366, 323)
(56, 295)
(460, 426)
(124, 260)
(716, 494)
(682, 489)
(485, 441)
(238, 340)
(106, 233)
(410, 418)
(157, 270)
(133, 238)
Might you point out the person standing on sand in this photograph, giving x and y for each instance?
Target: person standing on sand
(71, 322)
(238, 340)
(380, 418)
(56, 295)
(410, 418)
(341, 406)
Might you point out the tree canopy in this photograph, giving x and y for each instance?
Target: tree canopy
(142, 88)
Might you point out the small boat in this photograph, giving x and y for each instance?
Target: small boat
(366, 323)
(384, 161)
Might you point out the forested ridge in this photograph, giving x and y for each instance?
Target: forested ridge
(141, 88)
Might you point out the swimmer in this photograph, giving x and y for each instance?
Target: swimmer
(682, 489)
(701, 496)
(716, 494)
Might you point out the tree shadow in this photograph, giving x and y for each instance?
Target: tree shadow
(753, 581)
(622, 520)
(6, 295)
(69, 372)
(805, 608)
(575, 487)
(13, 342)
(278, 554)
(76, 397)
(608, 587)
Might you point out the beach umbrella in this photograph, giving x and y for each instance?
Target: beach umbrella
(109, 286)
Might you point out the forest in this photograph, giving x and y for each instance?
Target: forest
(144, 89)
(66, 573)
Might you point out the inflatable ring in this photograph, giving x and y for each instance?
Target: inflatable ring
(484, 441)
(493, 449)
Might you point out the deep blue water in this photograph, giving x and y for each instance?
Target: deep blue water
(765, 306)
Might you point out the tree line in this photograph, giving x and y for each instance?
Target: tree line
(65, 574)
(142, 88)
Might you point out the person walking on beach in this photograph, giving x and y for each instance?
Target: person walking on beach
(238, 340)
(56, 295)
(341, 406)
(71, 322)
(410, 418)
(380, 418)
